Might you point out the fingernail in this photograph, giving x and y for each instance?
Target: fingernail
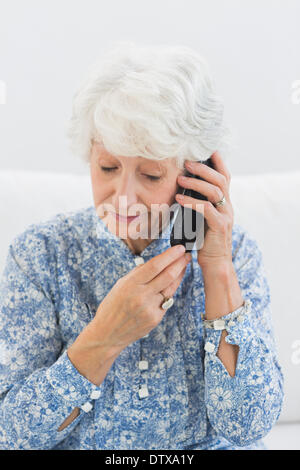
(188, 256)
(180, 248)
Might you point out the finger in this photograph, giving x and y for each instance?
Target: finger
(212, 192)
(211, 175)
(206, 208)
(220, 165)
(148, 271)
(172, 288)
(209, 211)
(169, 275)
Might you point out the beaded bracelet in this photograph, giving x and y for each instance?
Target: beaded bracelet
(238, 314)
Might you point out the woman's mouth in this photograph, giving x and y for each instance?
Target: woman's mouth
(122, 218)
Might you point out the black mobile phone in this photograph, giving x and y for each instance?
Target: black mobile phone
(189, 227)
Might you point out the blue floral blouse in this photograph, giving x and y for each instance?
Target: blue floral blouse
(56, 274)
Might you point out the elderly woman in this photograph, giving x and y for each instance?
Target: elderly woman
(110, 337)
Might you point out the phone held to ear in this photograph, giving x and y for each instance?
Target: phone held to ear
(189, 226)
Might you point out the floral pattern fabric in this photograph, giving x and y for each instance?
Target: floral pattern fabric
(56, 274)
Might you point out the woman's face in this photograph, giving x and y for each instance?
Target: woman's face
(130, 186)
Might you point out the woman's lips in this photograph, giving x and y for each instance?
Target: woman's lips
(122, 218)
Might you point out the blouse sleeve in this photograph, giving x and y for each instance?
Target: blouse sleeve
(244, 408)
(39, 386)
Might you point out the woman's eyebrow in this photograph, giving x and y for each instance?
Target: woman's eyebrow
(155, 170)
(162, 169)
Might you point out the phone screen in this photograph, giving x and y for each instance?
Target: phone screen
(189, 227)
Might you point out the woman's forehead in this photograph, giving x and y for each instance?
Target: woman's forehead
(161, 163)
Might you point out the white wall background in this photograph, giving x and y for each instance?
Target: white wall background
(252, 47)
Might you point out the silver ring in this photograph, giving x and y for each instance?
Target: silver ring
(221, 203)
(168, 302)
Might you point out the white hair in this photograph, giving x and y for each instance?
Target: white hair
(155, 102)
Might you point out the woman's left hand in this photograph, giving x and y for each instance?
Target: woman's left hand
(217, 245)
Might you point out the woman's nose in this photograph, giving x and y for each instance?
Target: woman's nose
(125, 192)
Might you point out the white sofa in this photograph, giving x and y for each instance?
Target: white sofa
(267, 205)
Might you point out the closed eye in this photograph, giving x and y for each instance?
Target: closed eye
(150, 177)
(107, 169)
(153, 178)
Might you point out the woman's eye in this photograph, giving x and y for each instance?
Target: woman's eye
(150, 177)
(104, 168)
(109, 169)
(153, 178)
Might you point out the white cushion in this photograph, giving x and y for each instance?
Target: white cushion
(283, 436)
(267, 205)
(29, 197)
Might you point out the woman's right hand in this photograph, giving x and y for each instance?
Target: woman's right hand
(132, 308)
